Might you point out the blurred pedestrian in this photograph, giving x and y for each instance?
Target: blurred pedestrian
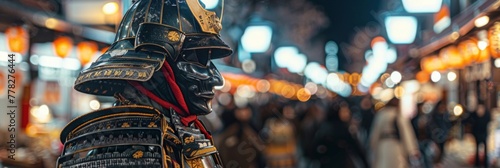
(311, 122)
(334, 144)
(280, 137)
(439, 127)
(428, 148)
(368, 113)
(239, 144)
(480, 119)
(392, 141)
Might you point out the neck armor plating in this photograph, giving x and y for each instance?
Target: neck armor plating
(160, 71)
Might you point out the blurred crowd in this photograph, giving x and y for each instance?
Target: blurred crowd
(355, 132)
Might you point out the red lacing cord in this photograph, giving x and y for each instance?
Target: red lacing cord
(183, 111)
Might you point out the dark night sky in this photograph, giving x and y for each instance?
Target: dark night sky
(345, 16)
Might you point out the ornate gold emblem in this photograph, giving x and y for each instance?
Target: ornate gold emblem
(138, 154)
(173, 36)
(125, 125)
(208, 20)
(129, 73)
(142, 74)
(152, 125)
(189, 139)
(195, 163)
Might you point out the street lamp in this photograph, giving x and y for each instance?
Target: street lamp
(401, 29)
(283, 55)
(422, 6)
(257, 38)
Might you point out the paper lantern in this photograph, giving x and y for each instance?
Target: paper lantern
(62, 46)
(450, 56)
(17, 39)
(494, 38)
(484, 55)
(432, 63)
(86, 51)
(469, 51)
(422, 77)
(424, 64)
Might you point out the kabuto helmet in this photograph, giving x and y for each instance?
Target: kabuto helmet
(150, 27)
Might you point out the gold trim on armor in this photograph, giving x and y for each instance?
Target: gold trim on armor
(208, 20)
(101, 146)
(110, 73)
(125, 125)
(189, 139)
(147, 11)
(161, 12)
(179, 14)
(202, 152)
(195, 163)
(111, 115)
(133, 14)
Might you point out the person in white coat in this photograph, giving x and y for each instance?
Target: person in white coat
(392, 139)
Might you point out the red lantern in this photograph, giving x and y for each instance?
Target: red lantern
(62, 46)
(17, 39)
(86, 51)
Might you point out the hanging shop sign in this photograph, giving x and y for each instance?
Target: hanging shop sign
(478, 71)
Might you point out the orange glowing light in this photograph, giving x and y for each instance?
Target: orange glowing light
(2, 83)
(450, 56)
(378, 39)
(17, 39)
(86, 51)
(432, 63)
(422, 77)
(103, 50)
(63, 46)
(484, 55)
(469, 51)
(494, 39)
(303, 94)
